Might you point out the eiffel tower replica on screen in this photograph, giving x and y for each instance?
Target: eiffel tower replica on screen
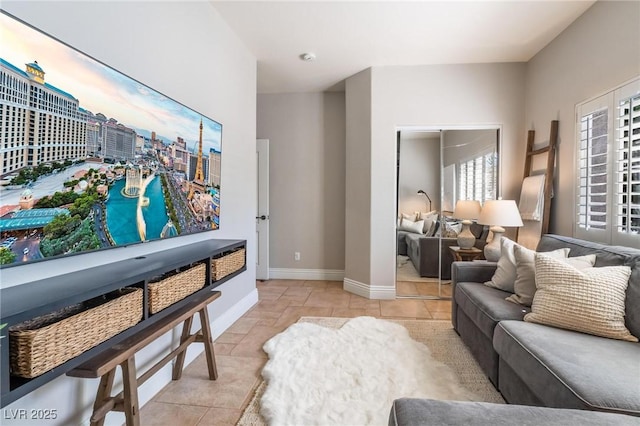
(198, 182)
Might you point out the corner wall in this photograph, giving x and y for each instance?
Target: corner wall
(306, 133)
(434, 95)
(598, 52)
(187, 52)
(358, 183)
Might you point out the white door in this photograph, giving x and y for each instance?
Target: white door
(262, 215)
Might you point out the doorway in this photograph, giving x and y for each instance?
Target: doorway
(262, 213)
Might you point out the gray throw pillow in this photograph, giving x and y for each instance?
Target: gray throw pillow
(524, 285)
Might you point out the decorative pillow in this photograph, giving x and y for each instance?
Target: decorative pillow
(409, 226)
(589, 301)
(524, 286)
(430, 220)
(505, 274)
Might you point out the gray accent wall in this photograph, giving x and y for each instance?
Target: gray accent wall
(306, 133)
(597, 53)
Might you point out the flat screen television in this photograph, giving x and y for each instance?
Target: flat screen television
(93, 159)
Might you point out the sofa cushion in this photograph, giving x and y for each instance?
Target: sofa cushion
(606, 256)
(589, 301)
(563, 368)
(486, 306)
(415, 412)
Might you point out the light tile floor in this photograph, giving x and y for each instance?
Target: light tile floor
(196, 400)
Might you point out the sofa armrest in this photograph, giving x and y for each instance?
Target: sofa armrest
(477, 272)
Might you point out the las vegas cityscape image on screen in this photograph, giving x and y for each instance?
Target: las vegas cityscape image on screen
(92, 158)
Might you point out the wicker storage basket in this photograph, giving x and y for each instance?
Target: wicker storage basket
(38, 345)
(227, 264)
(176, 287)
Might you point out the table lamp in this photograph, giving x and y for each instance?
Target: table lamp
(498, 213)
(467, 210)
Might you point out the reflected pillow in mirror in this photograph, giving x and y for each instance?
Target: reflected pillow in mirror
(409, 226)
(430, 220)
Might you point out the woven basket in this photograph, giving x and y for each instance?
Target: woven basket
(38, 345)
(227, 264)
(176, 287)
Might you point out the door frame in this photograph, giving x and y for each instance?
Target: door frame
(262, 209)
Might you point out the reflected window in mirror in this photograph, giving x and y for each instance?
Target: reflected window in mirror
(477, 177)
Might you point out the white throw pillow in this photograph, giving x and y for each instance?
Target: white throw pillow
(409, 226)
(505, 274)
(590, 301)
(524, 286)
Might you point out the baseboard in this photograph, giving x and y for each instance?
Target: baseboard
(306, 274)
(369, 291)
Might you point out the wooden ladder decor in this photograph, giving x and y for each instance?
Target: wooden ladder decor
(550, 150)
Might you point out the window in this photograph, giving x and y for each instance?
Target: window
(608, 167)
(477, 178)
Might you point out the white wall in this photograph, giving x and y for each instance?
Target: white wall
(186, 51)
(435, 95)
(419, 169)
(598, 52)
(306, 133)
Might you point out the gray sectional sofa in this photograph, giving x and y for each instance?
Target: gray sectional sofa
(534, 364)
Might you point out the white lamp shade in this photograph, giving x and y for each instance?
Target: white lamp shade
(467, 209)
(500, 213)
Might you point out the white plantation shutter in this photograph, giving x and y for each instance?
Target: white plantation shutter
(627, 183)
(592, 169)
(608, 167)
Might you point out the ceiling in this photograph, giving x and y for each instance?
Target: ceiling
(350, 36)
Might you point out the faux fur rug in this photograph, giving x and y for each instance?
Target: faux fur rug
(350, 371)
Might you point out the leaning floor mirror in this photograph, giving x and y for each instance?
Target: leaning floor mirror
(443, 177)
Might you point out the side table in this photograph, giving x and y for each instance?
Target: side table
(465, 255)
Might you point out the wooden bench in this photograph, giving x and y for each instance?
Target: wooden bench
(104, 364)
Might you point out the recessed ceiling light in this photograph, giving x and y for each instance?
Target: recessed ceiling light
(308, 57)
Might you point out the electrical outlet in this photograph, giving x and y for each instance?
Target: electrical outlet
(296, 255)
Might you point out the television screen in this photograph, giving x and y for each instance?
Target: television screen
(93, 159)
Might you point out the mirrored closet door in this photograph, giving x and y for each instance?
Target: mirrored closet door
(436, 168)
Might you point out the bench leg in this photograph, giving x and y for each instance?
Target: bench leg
(208, 344)
(103, 395)
(130, 392)
(186, 333)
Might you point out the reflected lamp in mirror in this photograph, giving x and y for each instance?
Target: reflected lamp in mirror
(425, 194)
(498, 213)
(467, 210)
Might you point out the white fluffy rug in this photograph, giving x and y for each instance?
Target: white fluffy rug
(323, 376)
